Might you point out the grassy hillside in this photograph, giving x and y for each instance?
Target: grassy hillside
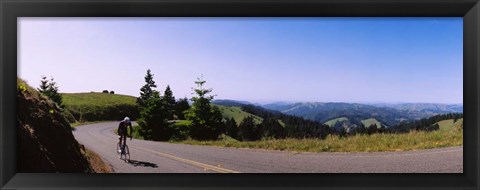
(237, 114)
(446, 125)
(371, 121)
(366, 122)
(97, 99)
(333, 121)
(99, 106)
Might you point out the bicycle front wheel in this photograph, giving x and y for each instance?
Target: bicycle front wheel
(127, 153)
(119, 149)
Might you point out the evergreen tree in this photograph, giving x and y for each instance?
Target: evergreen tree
(206, 119)
(153, 122)
(169, 100)
(231, 128)
(361, 128)
(270, 128)
(153, 116)
(180, 107)
(247, 129)
(50, 89)
(372, 129)
(43, 86)
(146, 92)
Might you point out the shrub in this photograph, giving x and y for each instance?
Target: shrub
(180, 130)
(112, 92)
(105, 91)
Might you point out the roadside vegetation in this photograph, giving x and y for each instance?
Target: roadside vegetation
(450, 134)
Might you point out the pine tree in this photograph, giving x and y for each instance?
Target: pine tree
(206, 119)
(247, 129)
(270, 128)
(153, 119)
(181, 106)
(146, 92)
(373, 128)
(43, 86)
(169, 101)
(54, 95)
(50, 89)
(153, 123)
(231, 128)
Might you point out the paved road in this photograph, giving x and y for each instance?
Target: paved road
(161, 157)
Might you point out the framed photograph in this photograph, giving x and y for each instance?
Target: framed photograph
(239, 94)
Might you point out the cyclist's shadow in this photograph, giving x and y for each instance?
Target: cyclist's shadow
(142, 164)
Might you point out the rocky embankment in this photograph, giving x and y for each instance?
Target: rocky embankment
(44, 136)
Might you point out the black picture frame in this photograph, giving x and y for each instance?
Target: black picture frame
(10, 10)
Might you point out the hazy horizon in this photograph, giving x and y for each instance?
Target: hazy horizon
(352, 60)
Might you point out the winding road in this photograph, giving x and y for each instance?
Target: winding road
(162, 157)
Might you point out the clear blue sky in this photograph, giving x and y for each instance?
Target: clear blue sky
(254, 59)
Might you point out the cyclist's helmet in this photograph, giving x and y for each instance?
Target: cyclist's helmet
(126, 120)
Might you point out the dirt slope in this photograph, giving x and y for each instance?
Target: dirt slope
(44, 136)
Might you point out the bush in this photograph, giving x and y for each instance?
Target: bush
(112, 92)
(105, 91)
(180, 130)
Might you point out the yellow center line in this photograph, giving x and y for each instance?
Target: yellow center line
(206, 166)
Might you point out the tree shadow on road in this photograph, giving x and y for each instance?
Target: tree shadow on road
(142, 164)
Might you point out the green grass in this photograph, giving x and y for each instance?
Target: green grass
(333, 121)
(371, 121)
(358, 143)
(237, 114)
(366, 122)
(81, 107)
(446, 125)
(97, 99)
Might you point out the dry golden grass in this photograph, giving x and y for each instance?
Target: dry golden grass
(358, 143)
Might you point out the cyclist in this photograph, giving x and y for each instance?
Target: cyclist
(122, 130)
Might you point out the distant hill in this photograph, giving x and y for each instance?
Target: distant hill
(368, 122)
(237, 113)
(388, 114)
(324, 112)
(99, 106)
(225, 102)
(421, 110)
(292, 126)
(343, 122)
(332, 122)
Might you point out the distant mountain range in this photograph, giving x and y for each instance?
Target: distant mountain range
(389, 114)
(425, 108)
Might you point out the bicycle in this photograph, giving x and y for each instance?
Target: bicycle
(123, 151)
